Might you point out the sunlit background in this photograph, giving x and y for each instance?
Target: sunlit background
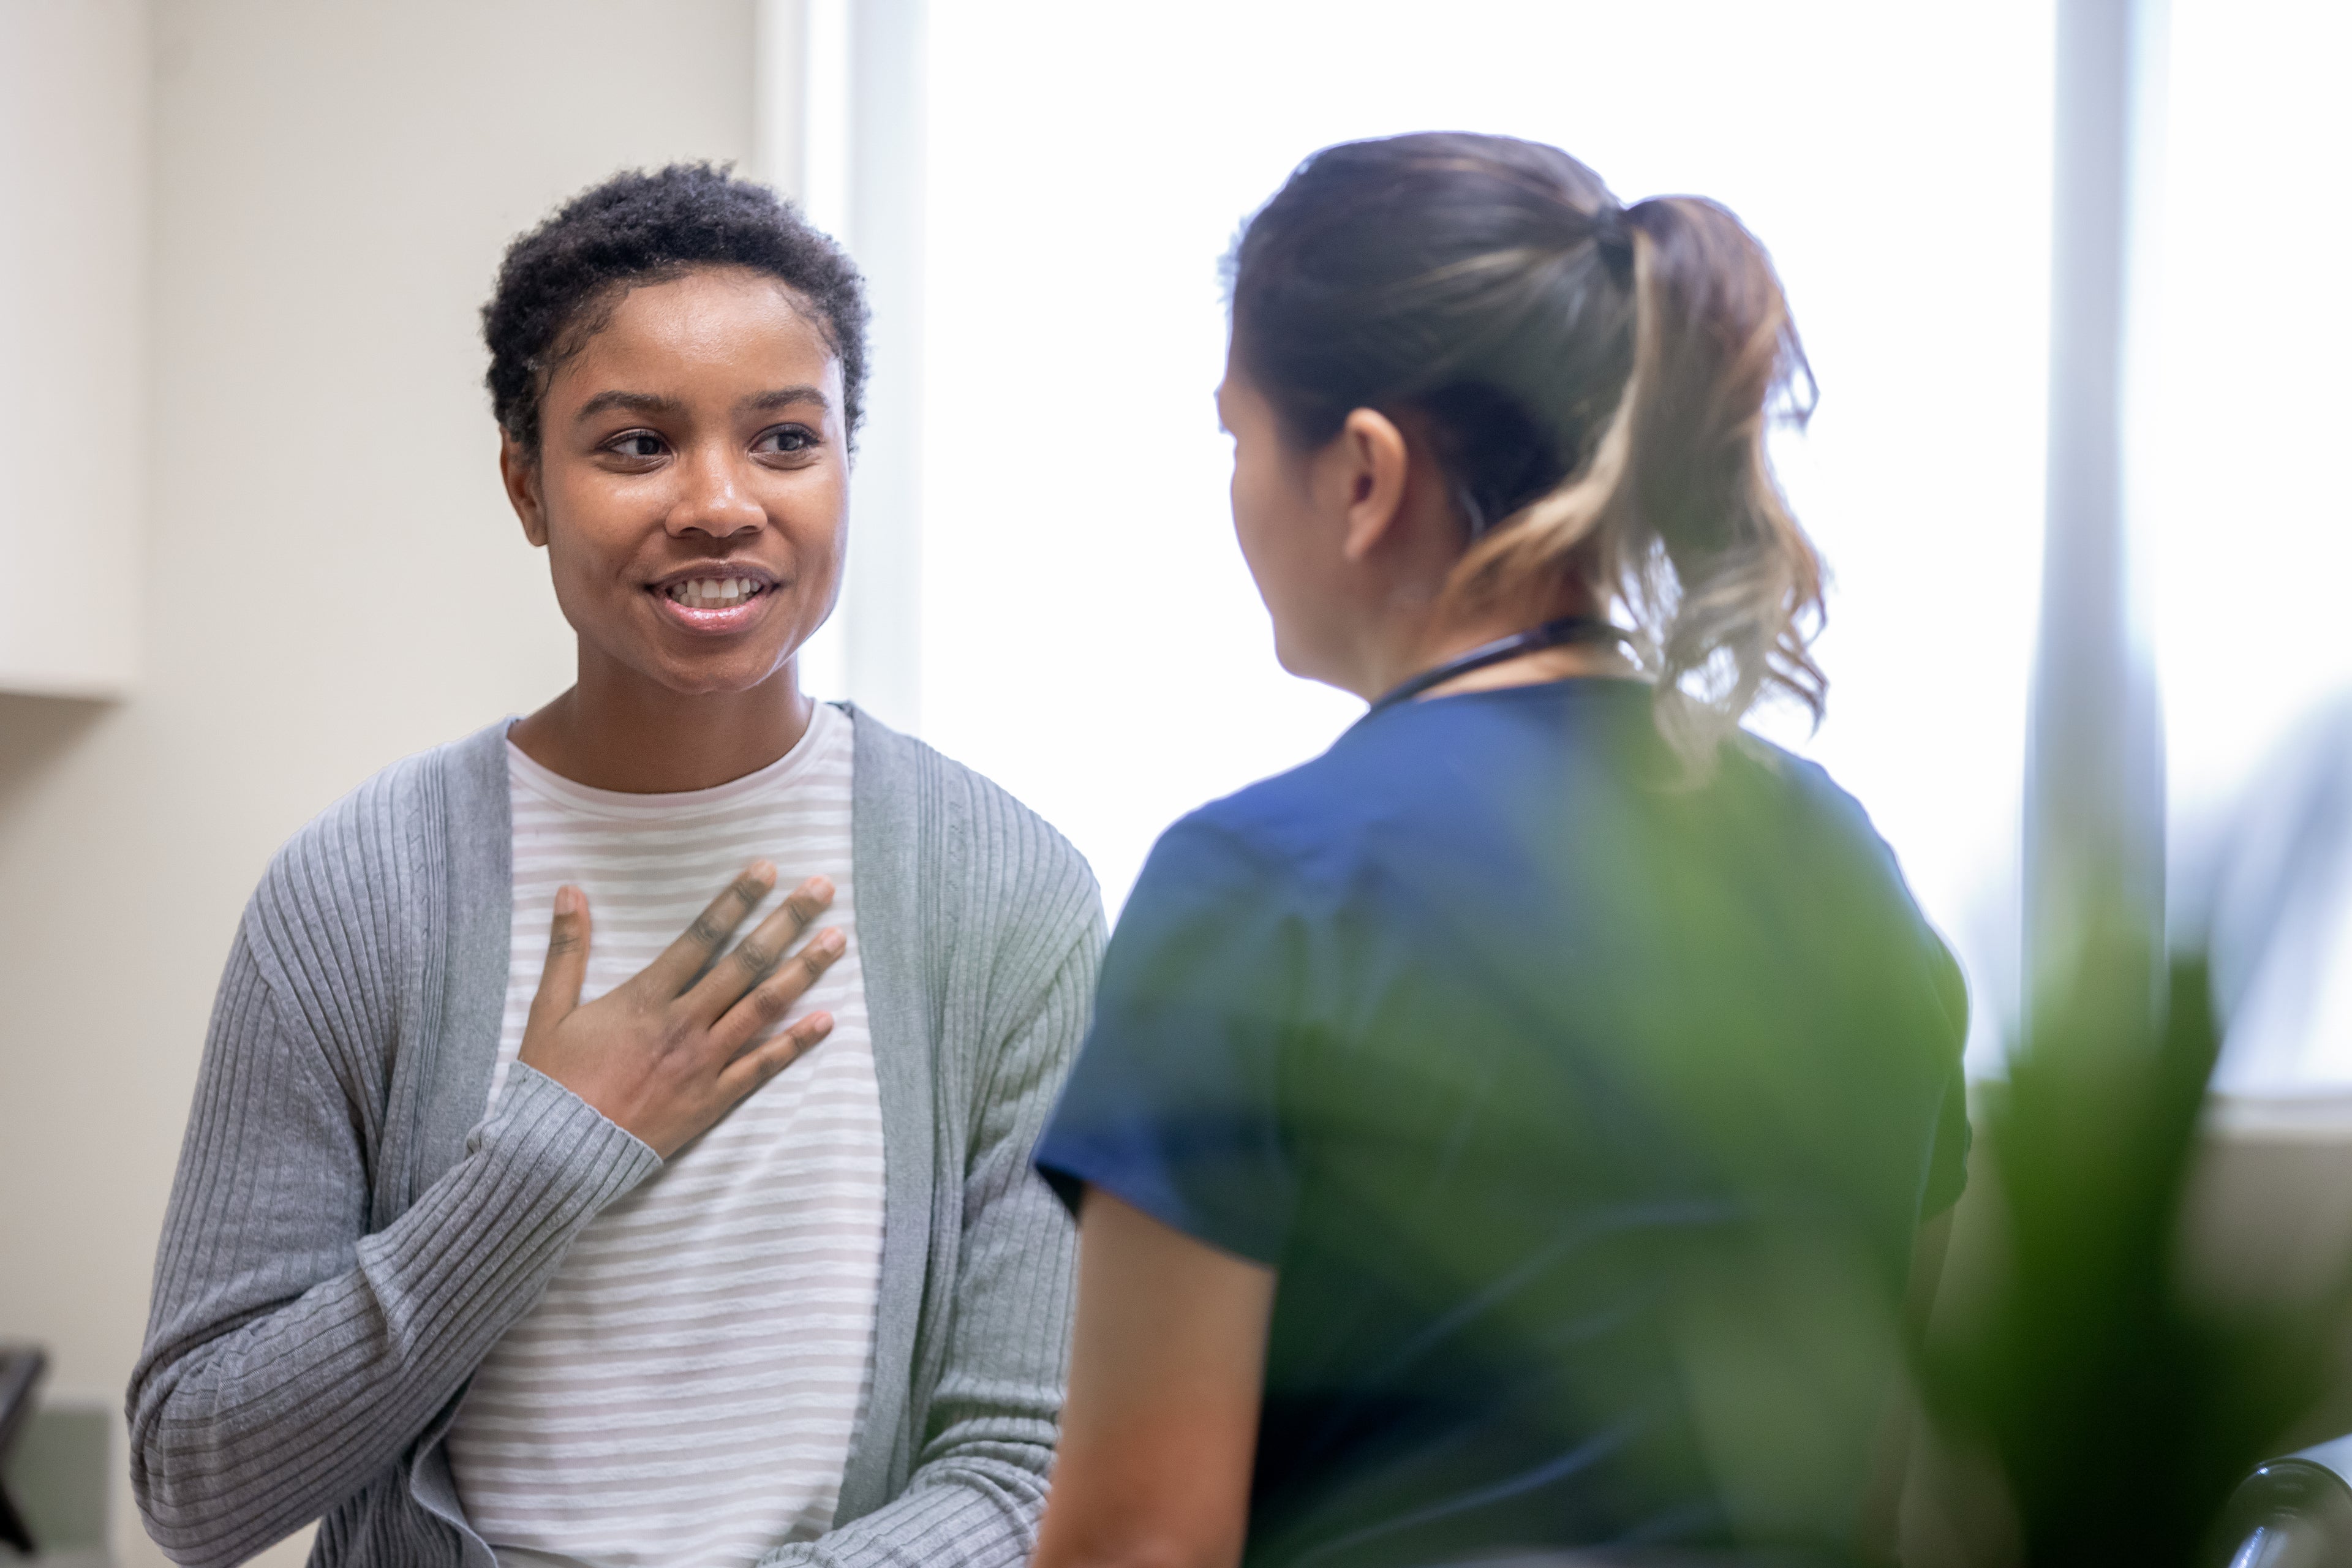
(2242, 414)
(1091, 637)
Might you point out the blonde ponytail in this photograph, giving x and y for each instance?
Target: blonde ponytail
(1677, 512)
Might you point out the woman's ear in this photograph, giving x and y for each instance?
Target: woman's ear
(520, 470)
(1373, 459)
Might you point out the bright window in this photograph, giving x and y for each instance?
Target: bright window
(1091, 639)
(2242, 406)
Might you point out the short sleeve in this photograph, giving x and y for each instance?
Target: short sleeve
(1173, 1105)
(1947, 1165)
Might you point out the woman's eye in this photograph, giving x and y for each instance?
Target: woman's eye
(635, 444)
(786, 438)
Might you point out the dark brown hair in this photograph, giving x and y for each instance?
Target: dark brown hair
(560, 282)
(1597, 380)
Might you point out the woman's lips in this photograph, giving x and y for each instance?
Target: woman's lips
(714, 619)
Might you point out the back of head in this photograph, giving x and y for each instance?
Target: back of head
(1597, 381)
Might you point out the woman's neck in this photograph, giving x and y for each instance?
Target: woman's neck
(1410, 648)
(615, 730)
(1564, 662)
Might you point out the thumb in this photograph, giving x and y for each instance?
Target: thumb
(567, 962)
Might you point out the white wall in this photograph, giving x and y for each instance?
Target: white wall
(73, 254)
(332, 578)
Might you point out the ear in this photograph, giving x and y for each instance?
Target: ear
(520, 470)
(1372, 456)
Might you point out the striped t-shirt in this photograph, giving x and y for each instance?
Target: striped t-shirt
(687, 1391)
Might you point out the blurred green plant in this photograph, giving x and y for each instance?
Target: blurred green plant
(2089, 1389)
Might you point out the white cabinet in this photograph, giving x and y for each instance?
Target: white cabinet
(74, 388)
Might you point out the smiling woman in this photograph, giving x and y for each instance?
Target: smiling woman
(690, 485)
(495, 1237)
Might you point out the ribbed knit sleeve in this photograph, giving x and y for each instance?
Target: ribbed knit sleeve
(997, 1360)
(292, 1356)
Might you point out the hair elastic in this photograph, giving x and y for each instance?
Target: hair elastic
(1611, 236)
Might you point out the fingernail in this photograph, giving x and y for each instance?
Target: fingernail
(819, 887)
(764, 871)
(831, 941)
(567, 900)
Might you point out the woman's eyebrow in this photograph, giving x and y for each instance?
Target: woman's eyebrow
(633, 402)
(783, 395)
(653, 403)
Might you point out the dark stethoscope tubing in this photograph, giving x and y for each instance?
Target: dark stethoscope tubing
(1552, 634)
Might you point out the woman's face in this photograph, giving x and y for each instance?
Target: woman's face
(691, 483)
(1290, 540)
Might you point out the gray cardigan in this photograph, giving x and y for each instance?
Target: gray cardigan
(348, 1235)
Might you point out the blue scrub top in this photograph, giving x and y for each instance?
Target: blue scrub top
(1587, 1114)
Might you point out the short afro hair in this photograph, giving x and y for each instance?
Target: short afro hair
(560, 282)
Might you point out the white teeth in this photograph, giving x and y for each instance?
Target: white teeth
(714, 592)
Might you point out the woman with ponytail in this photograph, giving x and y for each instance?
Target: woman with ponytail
(1511, 1133)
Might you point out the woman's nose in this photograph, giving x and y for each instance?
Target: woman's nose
(716, 503)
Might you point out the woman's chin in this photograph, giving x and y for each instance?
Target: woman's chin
(1301, 661)
(694, 654)
(733, 673)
